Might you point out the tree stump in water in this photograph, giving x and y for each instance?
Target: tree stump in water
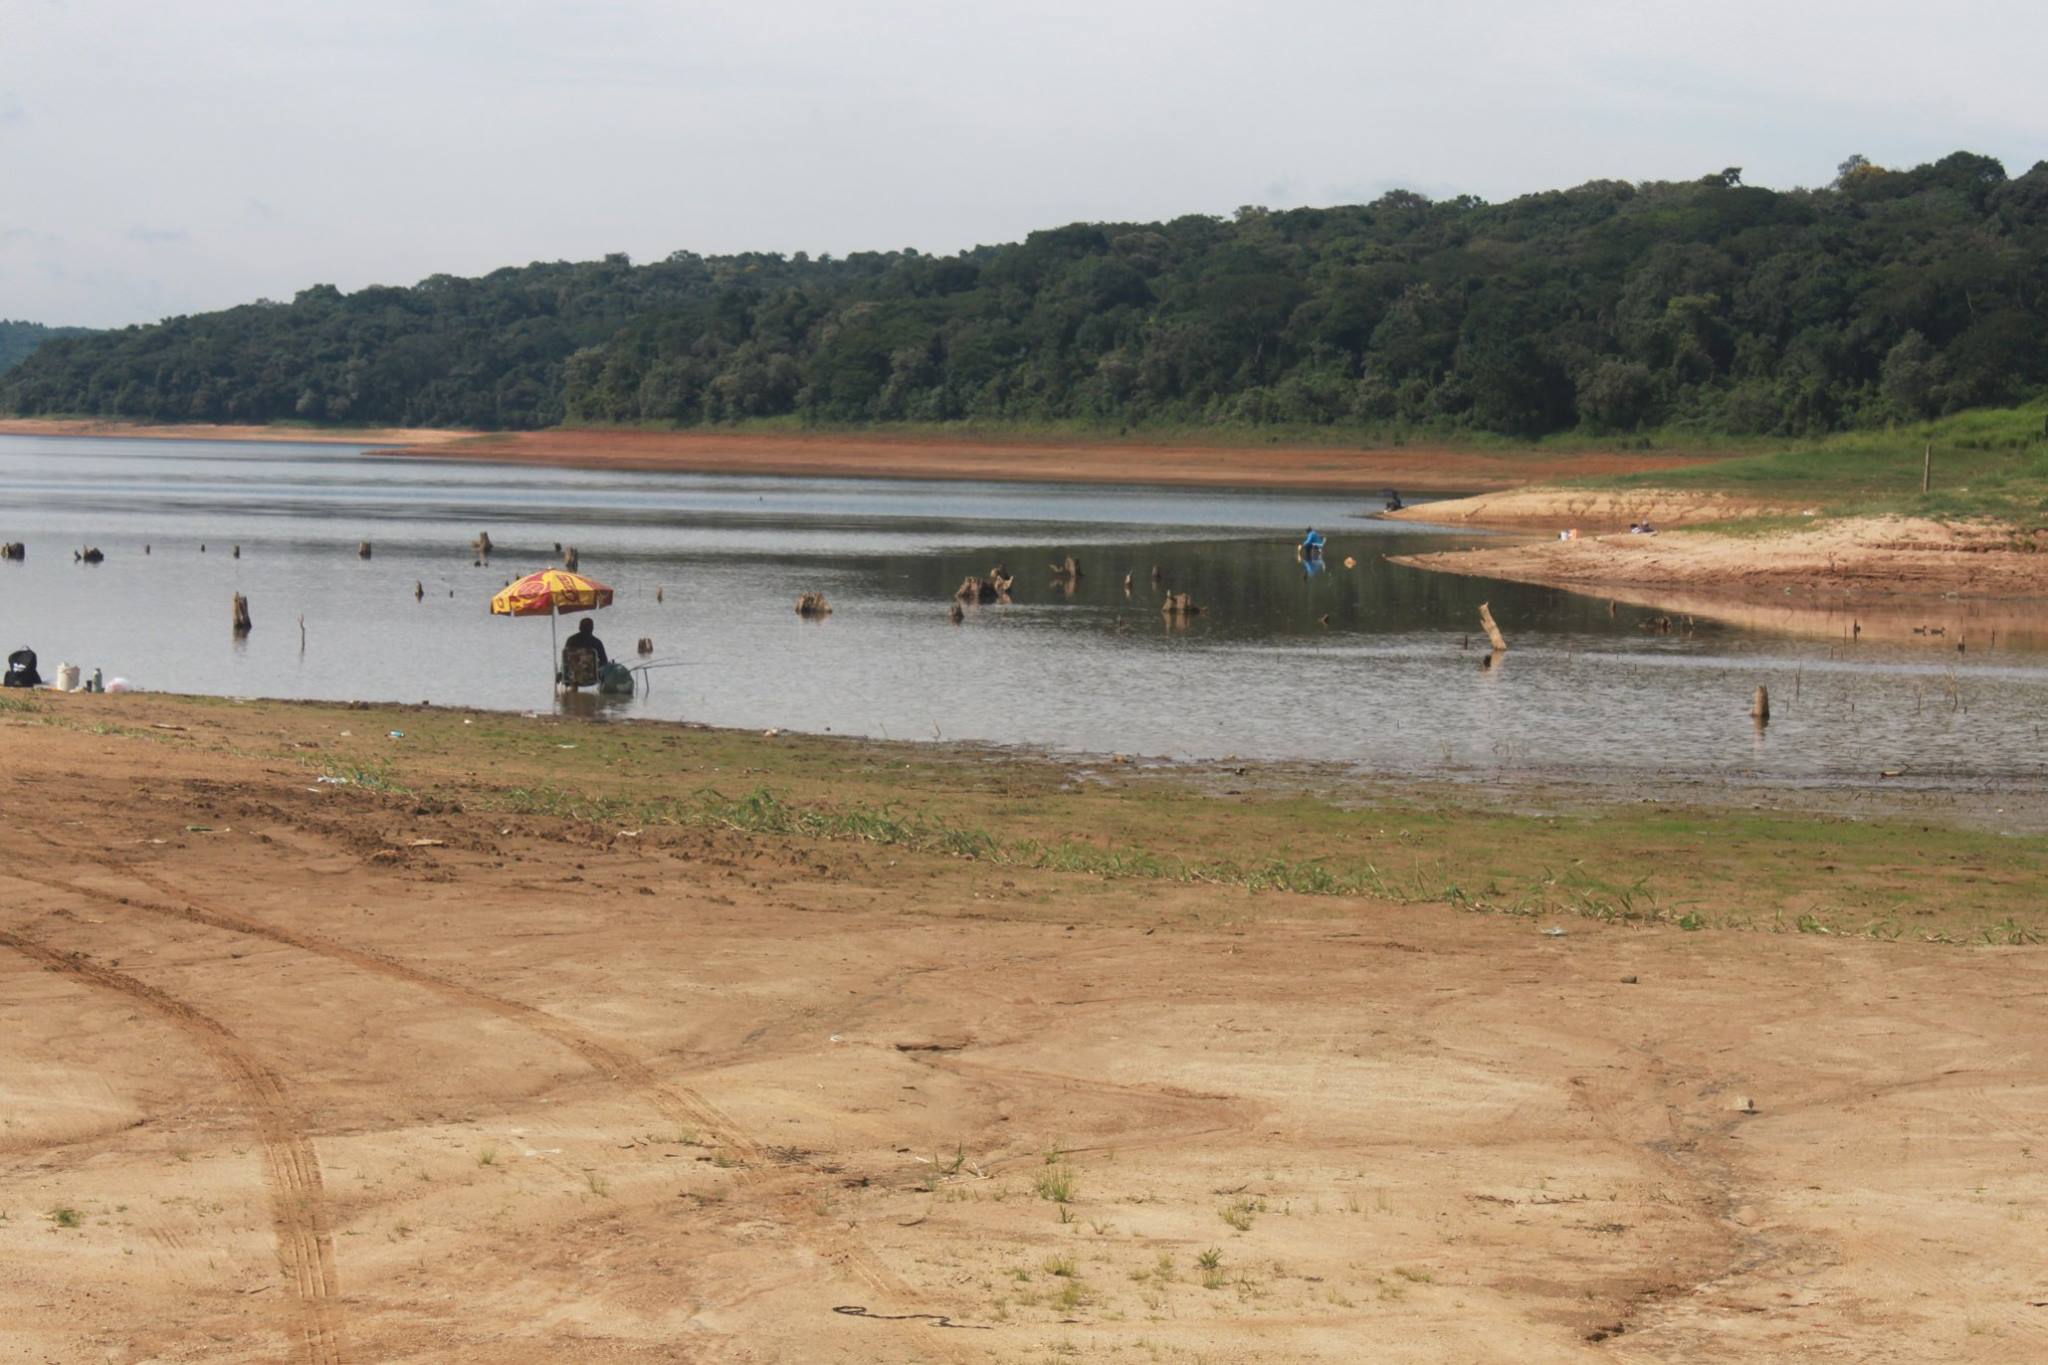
(812, 605)
(242, 622)
(646, 646)
(1760, 707)
(362, 550)
(1500, 642)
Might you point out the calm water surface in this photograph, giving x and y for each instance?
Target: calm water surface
(1373, 666)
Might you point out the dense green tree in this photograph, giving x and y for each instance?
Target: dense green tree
(1608, 306)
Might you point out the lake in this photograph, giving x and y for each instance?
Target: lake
(1376, 666)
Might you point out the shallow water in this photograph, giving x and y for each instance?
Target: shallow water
(1375, 666)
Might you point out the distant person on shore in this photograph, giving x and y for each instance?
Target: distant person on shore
(21, 669)
(1312, 544)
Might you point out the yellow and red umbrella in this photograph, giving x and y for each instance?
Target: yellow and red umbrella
(551, 592)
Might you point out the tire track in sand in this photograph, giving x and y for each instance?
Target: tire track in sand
(298, 1202)
(679, 1104)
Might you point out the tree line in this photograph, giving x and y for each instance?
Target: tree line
(18, 340)
(1609, 307)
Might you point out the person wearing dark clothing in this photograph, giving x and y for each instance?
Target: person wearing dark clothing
(586, 638)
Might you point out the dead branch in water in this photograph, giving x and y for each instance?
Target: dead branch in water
(1500, 642)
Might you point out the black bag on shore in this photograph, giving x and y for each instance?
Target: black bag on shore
(21, 670)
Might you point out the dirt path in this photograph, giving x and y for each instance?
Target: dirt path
(532, 1089)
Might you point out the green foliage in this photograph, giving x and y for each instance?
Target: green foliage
(1610, 307)
(19, 339)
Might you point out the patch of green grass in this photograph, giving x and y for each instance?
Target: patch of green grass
(64, 1216)
(1240, 1212)
(1987, 462)
(1055, 1183)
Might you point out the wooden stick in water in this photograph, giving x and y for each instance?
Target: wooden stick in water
(1500, 642)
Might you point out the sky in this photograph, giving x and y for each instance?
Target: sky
(158, 159)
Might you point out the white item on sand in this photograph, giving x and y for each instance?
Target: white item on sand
(118, 685)
(67, 677)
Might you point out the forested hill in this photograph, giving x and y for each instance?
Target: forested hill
(19, 339)
(1606, 307)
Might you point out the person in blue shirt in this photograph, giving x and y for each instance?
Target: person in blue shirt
(1312, 544)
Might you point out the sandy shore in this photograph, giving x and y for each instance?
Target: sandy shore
(882, 454)
(1592, 509)
(1888, 576)
(294, 1070)
(207, 431)
(1412, 469)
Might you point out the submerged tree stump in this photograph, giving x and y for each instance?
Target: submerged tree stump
(812, 605)
(646, 646)
(14, 549)
(1760, 706)
(362, 550)
(1500, 642)
(242, 622)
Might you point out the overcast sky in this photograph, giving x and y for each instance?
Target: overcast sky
(159, 158)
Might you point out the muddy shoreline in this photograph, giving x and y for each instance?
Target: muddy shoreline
(1052, 458)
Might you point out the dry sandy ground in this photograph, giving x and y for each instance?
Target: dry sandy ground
(1590, 510)
(1050, 459)
(279, 1081)
(1879, 578)
(209, 431)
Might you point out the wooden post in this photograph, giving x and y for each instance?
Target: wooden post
(1760, 709)
(1500, 643)
(241, 614)
(1926, 467)
(363, 550)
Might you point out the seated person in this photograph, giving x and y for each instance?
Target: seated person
(586, 638)
(21, 669)
(583, 657)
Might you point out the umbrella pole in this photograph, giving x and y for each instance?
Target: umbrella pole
(554, 645)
